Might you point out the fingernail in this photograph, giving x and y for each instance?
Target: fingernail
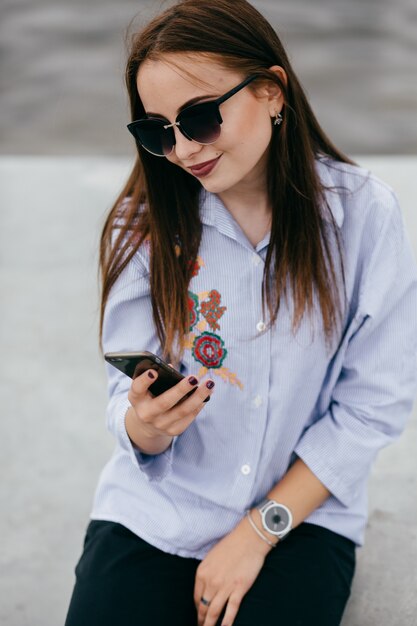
(151, 375)
(192, 380)
(210, 384)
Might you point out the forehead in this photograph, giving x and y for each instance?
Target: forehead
(173, 79)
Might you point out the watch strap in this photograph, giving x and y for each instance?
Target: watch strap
(263, 504)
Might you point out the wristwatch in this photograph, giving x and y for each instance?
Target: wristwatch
(276, 518)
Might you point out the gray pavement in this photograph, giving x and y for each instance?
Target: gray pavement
(53, 441)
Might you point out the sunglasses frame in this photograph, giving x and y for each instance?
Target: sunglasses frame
(212, 103)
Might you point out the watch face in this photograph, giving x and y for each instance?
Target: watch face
(277, 519)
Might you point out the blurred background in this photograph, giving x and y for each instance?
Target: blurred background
(62, 64)
(65, 153)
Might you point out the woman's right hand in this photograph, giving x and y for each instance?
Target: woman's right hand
(161, 417)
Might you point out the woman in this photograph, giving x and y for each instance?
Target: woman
(276, 275)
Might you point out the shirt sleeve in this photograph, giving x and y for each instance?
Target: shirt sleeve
(127, 327)
(375, 389)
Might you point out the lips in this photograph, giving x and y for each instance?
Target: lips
(203, 169)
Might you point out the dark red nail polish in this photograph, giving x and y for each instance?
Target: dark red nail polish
(209, 384)
(151, 375)
(192, 380)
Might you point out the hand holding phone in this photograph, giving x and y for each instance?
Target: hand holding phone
(133, 364)
(165, 402)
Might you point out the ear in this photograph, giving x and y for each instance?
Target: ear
(275, 95)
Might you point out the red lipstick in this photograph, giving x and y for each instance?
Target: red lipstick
(203, 169)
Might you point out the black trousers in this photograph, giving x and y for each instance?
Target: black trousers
(121, 580)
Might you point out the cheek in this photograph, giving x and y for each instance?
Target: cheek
(250, 132)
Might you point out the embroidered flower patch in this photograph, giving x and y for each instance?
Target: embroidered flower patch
(207, 347)
(209, 350)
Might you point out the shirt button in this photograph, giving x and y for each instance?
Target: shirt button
(245, 469)
(256, 259)
(257, 401)
(260, 326)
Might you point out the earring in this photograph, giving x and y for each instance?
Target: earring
(278, 119)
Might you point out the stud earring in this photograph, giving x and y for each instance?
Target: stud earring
(278, 119)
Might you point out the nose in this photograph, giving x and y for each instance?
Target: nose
(185, 148)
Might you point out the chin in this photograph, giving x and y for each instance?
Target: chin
(216, 186)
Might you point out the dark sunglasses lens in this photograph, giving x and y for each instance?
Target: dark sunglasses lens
(201, 122)
(152, 135)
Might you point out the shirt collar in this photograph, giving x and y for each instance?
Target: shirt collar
(214, 213)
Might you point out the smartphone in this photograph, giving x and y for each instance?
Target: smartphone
(133, 364)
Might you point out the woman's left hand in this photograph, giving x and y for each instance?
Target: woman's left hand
(227, 573)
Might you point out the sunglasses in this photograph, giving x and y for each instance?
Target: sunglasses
(198, 122)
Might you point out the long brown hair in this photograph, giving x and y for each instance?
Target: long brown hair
(240, 38)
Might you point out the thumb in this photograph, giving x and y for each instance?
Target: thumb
(141, 383)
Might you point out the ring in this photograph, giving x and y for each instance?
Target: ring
(204, 601)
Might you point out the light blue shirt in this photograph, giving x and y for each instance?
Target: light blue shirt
(277, 395)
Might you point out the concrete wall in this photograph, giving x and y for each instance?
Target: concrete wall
(62, 67)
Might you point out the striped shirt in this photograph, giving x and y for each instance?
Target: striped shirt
(278, 396)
